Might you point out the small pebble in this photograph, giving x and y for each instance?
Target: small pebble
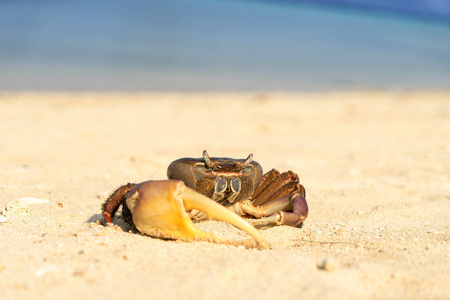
(328, 264)
(378, 207)
(46, 270)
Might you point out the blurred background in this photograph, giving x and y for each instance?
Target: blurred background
(224, 45)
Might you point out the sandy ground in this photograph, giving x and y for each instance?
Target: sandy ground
(376, 167)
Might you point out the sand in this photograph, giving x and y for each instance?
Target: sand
(376, 167)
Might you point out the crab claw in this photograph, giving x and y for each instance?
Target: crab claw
(160, 209)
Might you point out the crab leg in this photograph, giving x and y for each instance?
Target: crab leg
(113, 202)
(272, 188)
(298, 214)
(265, 181)
(273, 212)
(159, 208)
(285, 190)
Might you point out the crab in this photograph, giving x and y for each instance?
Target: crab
(226, 189)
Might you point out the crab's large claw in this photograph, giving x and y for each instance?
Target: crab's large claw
(160, 209)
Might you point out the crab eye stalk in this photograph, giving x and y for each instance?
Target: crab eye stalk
(207, 159)
(247, 161)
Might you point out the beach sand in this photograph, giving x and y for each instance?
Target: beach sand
(375, 165)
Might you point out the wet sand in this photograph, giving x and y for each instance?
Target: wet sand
(375, 165)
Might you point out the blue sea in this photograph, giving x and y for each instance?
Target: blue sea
(224, 45)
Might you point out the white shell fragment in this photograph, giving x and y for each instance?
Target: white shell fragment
(32, 200)
(3, 219)
(20, 206)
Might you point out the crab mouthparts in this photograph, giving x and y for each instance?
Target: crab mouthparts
(227, 187)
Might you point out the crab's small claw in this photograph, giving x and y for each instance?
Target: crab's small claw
(160, 209)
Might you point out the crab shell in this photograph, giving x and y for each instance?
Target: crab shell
(225, 180)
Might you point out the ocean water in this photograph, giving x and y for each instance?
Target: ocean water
(225, 45)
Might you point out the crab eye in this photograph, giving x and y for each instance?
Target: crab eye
(201, 168)
(235, 184)
(221, 185)
(248, 169)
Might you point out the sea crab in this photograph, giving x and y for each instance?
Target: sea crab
(236, 186)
